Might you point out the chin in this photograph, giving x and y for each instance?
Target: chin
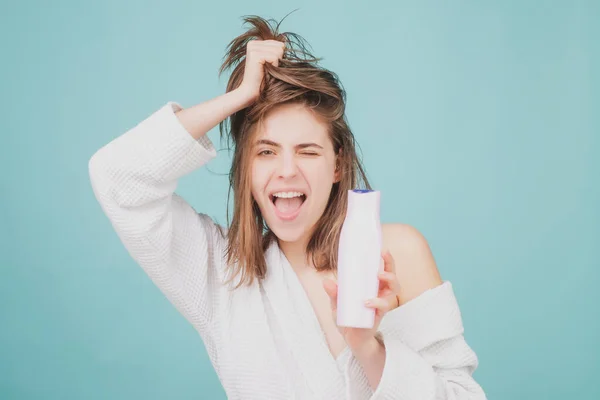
(288, 234)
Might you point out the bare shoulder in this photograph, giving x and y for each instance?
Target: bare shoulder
(415, 265)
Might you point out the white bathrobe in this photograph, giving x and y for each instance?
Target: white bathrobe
(264, 340)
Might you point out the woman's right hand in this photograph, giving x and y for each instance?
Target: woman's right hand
(257, 53)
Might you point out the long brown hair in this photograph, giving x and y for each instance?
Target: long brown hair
(297, 79)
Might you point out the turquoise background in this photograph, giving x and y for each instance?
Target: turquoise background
(478, 121)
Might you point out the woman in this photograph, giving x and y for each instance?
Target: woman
(262, 293)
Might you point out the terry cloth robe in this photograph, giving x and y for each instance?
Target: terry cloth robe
(263, 340)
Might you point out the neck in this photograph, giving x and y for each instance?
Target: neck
(295, 252)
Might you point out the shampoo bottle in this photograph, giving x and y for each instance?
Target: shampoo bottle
(359, 259)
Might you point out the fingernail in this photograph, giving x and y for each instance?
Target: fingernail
(368, 302)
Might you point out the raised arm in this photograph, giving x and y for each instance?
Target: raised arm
(134, 178)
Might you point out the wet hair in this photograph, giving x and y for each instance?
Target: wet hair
(301, 80)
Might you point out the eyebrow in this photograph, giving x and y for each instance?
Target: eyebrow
(275, 144)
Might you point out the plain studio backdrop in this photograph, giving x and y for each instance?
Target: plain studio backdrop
(477, 120)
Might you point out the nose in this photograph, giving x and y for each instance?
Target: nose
(287, 166)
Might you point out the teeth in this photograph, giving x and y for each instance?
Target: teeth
(288, 194)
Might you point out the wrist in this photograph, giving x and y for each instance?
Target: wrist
(245, 96)
(368, 349)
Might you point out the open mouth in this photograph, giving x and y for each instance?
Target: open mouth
(287, 204)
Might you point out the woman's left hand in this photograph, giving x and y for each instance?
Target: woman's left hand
(387, 299)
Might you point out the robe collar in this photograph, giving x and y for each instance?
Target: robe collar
(300, 326)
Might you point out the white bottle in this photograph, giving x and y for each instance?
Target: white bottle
(359, 259)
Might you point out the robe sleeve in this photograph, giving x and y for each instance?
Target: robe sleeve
(134, 178)
(427, 356)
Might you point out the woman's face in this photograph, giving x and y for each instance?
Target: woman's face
(293, 170)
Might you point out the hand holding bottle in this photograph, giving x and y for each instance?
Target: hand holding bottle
(387, 299)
